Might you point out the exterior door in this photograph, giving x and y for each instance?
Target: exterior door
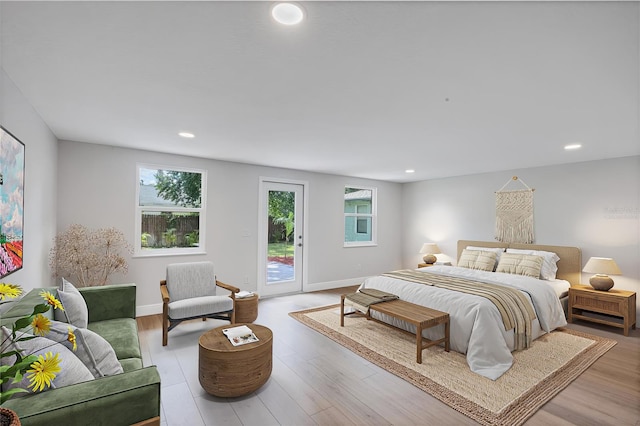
(281, 238)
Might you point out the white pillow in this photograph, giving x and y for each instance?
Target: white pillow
(520, 264)
(75, 308)
(72, 370)
(549, 267)
(477, 259)
(497, 250)
(92, 349)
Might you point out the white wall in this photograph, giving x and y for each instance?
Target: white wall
(96, 188)
(592, 205)
(19, 118)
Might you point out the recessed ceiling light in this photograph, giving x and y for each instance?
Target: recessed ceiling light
(572, 146)
(287, 13)
(186, 135)
(409, 171)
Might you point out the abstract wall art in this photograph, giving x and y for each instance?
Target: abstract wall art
(11, 202)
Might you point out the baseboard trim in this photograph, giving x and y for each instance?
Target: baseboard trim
(333, 284)
(145, 310)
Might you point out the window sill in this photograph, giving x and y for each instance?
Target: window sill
(167, 253)
(363, 244)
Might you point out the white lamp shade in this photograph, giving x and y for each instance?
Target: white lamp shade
(429, 248)
(602, 265)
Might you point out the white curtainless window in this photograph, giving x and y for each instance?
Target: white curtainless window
(170, 210)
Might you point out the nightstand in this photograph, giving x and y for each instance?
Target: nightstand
(616, 303)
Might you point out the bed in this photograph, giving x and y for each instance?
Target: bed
(478, 326)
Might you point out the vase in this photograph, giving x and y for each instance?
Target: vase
(601, 282)
(8, 417)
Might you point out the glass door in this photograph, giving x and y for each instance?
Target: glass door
(282, 238)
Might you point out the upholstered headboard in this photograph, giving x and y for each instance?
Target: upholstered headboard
(569, 265)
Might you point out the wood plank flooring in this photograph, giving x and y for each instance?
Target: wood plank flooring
(318, 382)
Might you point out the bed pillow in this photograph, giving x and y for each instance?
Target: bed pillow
(75, 308)
(477, 259)
(520, 264)
(72, 370)
(497, 250)
(549, 267)
(91, 348)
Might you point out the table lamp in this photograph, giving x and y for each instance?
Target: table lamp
(601, 267)
(429, 250)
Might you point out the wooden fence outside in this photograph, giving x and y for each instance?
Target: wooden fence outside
(170, 231)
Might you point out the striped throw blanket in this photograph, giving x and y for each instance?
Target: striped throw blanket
(514, 307)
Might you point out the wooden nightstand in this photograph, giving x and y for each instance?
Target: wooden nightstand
(617, 303)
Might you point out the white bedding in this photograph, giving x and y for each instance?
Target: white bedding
(561, 287)
(477, 329)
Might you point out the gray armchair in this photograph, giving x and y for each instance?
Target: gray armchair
(189, 292)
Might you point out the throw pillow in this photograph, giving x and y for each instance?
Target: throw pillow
(549, 267)
(75, 308)
(92, 349)
(520, 264)
(477, 259)
(72, 370)
(497, 250)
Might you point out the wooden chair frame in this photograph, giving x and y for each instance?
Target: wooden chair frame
(169, 323)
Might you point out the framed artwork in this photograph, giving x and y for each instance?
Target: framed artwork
(11, 202)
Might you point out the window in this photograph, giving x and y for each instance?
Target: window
(170, 211)
(359, 216)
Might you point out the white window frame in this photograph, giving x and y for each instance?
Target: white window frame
(373, 215)
(139, 251)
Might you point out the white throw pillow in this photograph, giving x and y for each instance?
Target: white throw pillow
(75, 308)
(92, 349)
(549, 267)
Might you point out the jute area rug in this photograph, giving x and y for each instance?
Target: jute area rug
(537, 375)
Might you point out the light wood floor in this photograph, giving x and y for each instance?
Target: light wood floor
(317, 381)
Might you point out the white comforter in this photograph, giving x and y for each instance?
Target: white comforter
(477, 329)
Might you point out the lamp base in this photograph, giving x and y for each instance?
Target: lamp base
(601, 282)
(429, 258)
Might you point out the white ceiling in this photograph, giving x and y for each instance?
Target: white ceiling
(365, 89)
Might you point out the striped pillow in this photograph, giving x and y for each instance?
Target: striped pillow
(477, 259)
(520, 264)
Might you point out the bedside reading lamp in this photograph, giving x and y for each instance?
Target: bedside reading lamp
(429, 250)
(601, 267)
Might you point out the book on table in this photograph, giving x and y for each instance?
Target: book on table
(240, 335)
(243, 294)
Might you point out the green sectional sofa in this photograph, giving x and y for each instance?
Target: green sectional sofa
(122, 399)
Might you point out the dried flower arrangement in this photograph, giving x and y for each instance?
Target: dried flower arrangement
(88, 257)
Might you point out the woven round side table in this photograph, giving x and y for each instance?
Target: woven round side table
(225, 370)
(247, 308)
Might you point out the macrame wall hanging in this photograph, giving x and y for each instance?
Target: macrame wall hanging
(514, 214)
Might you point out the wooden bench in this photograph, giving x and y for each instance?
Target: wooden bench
(420, 316)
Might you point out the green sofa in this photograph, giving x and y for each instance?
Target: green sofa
(123, 399)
